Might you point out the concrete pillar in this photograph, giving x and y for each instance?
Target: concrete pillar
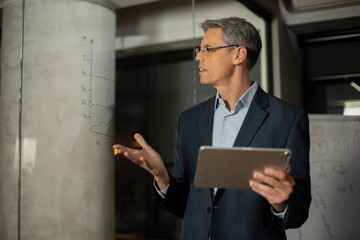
(67, 121)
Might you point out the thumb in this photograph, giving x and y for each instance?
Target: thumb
(140, 140)
(288, 169)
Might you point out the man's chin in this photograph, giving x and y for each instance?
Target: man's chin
(203, 82)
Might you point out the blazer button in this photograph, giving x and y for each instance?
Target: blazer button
(208, 209)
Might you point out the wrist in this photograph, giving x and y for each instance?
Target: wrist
(279, 208)
(162, 180)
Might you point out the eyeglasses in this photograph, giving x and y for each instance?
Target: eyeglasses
(208, 50)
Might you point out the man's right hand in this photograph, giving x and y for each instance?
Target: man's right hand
(146, 158)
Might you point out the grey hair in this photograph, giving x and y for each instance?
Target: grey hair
(238, 31)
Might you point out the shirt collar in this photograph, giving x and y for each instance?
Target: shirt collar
(244, 100)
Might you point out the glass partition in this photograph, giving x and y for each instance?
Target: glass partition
(155, 81)
(11, 31)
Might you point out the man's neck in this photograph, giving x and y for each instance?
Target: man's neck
(233, 91)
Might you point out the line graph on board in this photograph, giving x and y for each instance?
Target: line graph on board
(97, 91)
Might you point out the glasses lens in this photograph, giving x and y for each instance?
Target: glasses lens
(197, 50)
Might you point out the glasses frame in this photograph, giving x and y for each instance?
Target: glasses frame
(208, 50)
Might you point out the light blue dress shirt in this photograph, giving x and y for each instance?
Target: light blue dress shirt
(228, 123)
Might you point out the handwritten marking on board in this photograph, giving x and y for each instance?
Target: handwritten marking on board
(349, 188)
(341, 188)
(327, 227)
(320, 146)
(341, 144)
(83, 89)
(86, 59)
(319, 201)
(357, 139)
(343, 171)
(317, 130)
(320, 149)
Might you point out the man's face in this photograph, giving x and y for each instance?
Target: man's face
(215, 67)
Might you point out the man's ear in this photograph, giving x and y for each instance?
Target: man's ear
(240, 54)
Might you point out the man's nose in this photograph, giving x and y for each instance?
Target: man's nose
(198, 57)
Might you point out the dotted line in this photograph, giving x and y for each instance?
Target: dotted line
(98, 105)
(107, 79)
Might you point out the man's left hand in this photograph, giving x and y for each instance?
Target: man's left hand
(274, 185)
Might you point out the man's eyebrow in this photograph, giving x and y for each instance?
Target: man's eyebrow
(206, 45)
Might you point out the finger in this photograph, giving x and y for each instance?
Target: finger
(263, 190)
(135, 157)
(278, 174)
(273, 180)
(140, 140)
(120, 149)
(283, 178)
(272, 195)
(131, 156)
(269, 180)
(130, 153)
(288, 169)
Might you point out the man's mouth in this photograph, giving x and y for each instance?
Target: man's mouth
(202, 69)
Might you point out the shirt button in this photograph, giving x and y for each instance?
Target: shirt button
(208, 209)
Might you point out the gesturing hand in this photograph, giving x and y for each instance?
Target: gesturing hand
(146, 158)
(277, 188)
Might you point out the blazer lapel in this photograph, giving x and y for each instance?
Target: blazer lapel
(254, 119)
(206, 122)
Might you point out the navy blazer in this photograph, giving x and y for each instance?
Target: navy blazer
(239, 214)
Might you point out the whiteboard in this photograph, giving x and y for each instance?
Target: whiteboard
(335, 180)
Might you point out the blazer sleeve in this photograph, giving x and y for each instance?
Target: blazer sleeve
(176, 198)
(299, 202)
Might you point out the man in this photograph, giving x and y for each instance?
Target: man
(241, 114)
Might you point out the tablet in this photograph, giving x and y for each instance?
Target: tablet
(234, 167)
